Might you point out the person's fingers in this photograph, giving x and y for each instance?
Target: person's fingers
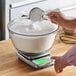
(53, 21)
(53, 18)
(59, 71)
(54, 57)
(52, 15)
(57, 64)
(55, 15)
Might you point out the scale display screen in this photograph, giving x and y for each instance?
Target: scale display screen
(41, 61)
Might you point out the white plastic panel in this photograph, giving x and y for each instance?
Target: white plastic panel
(18, 10)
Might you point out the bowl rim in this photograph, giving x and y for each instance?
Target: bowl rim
(12, 32)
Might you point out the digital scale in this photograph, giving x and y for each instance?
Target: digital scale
(36, 61)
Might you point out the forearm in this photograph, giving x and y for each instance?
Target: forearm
(71, 24)
(69, 58)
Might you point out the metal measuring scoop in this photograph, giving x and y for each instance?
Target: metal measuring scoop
(36, 14)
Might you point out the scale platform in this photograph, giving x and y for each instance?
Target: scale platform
(36, 61)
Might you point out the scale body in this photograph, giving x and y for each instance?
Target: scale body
(38, 61)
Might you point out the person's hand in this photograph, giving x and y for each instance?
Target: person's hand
(60, 19)
(58, 64)
(56, 17)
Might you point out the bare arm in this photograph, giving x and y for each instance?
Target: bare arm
(71, 24)
(68, 59)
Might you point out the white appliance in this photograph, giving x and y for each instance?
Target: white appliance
(15, 9)
(24, 6)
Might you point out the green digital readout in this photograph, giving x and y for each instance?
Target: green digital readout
(41, 61)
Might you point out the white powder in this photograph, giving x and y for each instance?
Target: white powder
(26, 27)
